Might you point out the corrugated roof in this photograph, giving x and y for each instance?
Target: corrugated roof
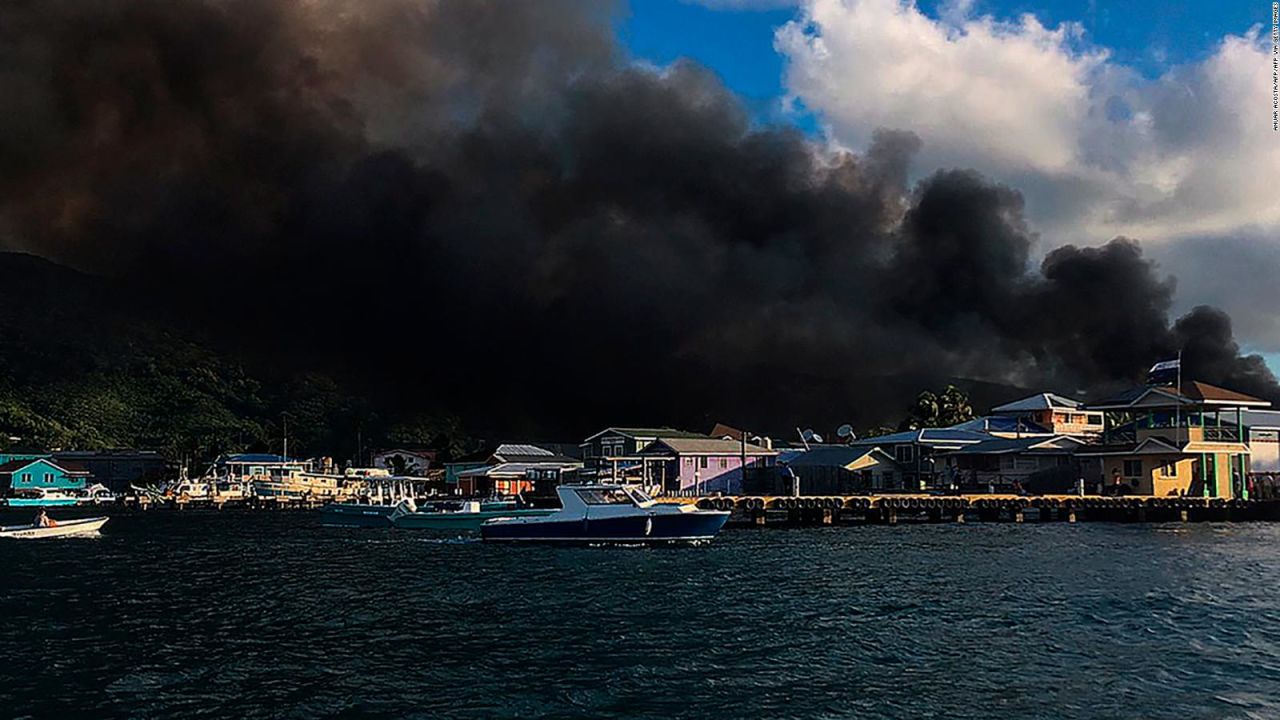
(521, 449)
(998, 446)
(1001, 423)
(710, 446)
(1193, 391)
(925, 436)
(253, 458)
(1039, 401)
(830, 456)
(516, 468)
(644, 432)
(70, 468)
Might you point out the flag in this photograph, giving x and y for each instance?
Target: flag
(1164, 373)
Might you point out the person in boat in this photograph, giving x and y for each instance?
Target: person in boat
(43, 520)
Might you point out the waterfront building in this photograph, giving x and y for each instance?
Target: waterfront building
(915, 451)
(1035, 464)
(614, 453)
(1179, 441)
(700, 464)
(1057, 414)
(833, 470)
(41, 474)
(513, 469)
(405, 461)
(119, 469)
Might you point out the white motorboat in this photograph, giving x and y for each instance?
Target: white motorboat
(609, 514)
(62, 528)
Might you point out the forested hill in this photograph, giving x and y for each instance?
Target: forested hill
(82, 366)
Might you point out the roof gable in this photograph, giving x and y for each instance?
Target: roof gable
(16, 466)
(1039, 401)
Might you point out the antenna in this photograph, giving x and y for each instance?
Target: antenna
(804, 437)
(845, 432)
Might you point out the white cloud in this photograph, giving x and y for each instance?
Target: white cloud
(1097, 149)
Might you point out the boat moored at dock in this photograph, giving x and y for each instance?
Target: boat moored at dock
(610, 514)
(39, 497)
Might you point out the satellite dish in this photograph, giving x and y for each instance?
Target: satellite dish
(809, 435)
(845, 432)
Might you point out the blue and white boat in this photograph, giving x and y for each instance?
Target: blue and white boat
(39, 497)
(610, 514)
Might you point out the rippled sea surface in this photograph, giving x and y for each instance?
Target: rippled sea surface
(243, 615)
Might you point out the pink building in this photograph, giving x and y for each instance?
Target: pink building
(701, 465)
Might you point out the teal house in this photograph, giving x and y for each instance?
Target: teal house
(42, 473)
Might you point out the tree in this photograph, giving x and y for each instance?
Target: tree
(930, 410)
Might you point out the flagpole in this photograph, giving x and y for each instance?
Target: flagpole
(1177, 422)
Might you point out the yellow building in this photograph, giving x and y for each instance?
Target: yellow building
(1175, 442)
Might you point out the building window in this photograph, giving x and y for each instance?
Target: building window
(1132, 468)
(903, 453)
(48, 478)
(26, 478)
(1169, 469)
(724, 463)
(704, 462)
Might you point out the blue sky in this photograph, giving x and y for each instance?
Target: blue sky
(738, 43)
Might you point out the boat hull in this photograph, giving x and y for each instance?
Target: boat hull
(660, 528)
(459, 520)
(64, 528)
(42, 502)
(356, 515)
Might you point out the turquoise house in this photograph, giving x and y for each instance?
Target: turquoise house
(41, 473)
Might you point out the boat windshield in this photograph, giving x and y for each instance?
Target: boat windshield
(639, 496)
(603, 496)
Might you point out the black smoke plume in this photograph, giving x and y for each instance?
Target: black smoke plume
(486, 206)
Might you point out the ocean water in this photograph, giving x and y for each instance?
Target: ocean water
(240, 615)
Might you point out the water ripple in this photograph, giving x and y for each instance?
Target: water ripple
(272, 616)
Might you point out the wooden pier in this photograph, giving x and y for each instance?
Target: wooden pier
(891, 509)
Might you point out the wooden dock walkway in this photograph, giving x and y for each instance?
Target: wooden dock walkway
(890, 509)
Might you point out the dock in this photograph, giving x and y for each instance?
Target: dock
(762, 510)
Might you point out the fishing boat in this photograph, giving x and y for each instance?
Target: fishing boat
(464, 515)
(63, 528)
(40, 497)
(98, 494)
(610, 514)
(366, 515)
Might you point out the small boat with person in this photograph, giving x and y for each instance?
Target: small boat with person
(61, 528)
(610, 514)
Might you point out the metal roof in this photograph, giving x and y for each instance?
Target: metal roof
(1193, 392)
(832, 456)
(517, 469)
(925, 436)
(1001, 423)
(253, 458)
(1039, 445)
(1040, 401)
(708, 446)
(640, 433)
(521, 449)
